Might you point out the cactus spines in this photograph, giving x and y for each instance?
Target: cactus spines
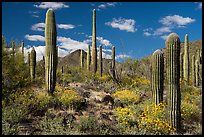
(32, 63)
(158, 76)
(88, 57)
(82, 59)
(51, 51)
(94, 50)
(186, 60)
(193, 70)
(173, 76)
(100, 61)
(113, 62)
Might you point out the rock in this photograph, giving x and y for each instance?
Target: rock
(107, 99)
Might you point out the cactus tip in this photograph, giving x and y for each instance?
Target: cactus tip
(158, 51)
(172, 37)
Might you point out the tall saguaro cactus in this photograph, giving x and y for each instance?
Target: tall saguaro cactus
(181, 66)
(158, 76)
(51, 51)
(193, 70)
(186, 60)
(13, 48)
(88, 57)
(32, 64)
(100, 61)
(197, 80)
(173, 76)
(22, 47)
(94, 50)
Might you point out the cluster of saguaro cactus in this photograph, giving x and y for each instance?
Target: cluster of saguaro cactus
(94, 50)
(88, 57)
(82, 59)
(100, 61)
(173, 76)
(158, 76)
(32, 64)
(51, 51)
(186, 60)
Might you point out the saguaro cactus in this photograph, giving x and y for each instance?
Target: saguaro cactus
(100, 61)
(51, 51)
(94, 50)
(181, 66)
(197, 81)
(22, 47)
(113, 61)
(28, 61)
(173, 75)
(186, 60)
(193, 76)
(82, 59)
(88, 58)
(158, 76)
(32, 64)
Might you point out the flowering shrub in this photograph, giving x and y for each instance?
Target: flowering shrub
(126, 96)
(104, 77)
(153, 120)
(125, 116)
(68, 98)
(140, 81)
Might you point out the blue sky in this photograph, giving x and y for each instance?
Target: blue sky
(136, 29)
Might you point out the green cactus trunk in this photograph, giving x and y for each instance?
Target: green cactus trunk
(94, 50)
(173, 76)
(197, 73)
(82, 59)
(88, 57)
(193, 76)
(113, 62)
(100, 61)
(186, 60)
(32, 64)
(51, 51)
(181, 66)
(158, 76)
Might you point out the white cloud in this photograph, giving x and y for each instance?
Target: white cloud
(65, 26)
(147, 33)
(53, 5)
(164, 37)
(104, 42)
(122, 56)
(123, 24)
(34, 37)
(161, 30)
(176, 20)
(105, 5)
(38, 27)
(70, 44)
(41, 26)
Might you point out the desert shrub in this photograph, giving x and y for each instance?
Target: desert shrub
(126, 96)
(69, 98)
(88, 124)
(153, 120)
(125, 116)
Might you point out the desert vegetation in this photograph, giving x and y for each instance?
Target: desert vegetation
(81, 94)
